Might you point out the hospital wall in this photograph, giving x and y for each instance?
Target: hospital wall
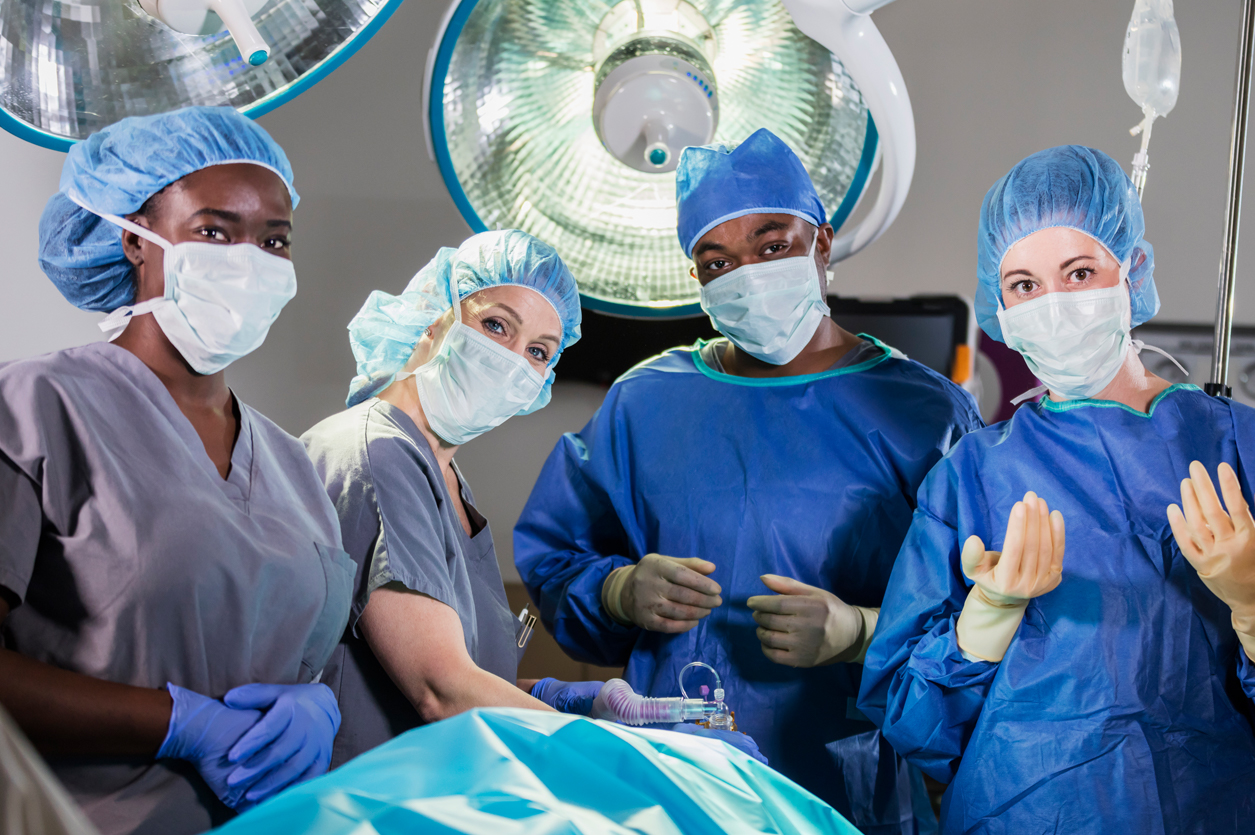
(990, 81)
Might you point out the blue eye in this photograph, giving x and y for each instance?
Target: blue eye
(540, 354)
(494, 325)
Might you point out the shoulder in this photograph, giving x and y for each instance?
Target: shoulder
(671, 365)
(913, 390)
(365, 443)
(49, 370)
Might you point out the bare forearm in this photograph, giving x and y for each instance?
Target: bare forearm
(69, 713)
(438, 696)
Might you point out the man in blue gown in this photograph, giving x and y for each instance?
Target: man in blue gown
(741, 501)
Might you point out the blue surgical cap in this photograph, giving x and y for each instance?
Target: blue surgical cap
(762, 175)
(1072, 187)
(387, 328)
(115, 170)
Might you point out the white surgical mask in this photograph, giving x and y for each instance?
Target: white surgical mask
(1073, 342)
(472, 384)
(219, 302)
(771, 309)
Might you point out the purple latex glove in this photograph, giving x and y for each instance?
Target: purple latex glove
(202, 730)
(567, 696)
(290, 744)
(742, 742)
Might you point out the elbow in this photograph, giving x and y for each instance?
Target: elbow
(431, 706)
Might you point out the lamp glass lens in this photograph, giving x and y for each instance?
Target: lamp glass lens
(518, 127)
(71, 67)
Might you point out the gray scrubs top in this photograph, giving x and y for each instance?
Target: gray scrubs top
(401, 527)
(132, 560)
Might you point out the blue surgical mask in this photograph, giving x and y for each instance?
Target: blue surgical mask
(771, 309)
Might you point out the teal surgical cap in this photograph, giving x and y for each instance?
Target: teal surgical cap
(387, 328)
(1072, 187)
(115, 171)
(762, 175)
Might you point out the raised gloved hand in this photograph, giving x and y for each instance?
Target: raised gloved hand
(290, 744)
(202, 731)
(1029, 565)
(742, 742)
(1220, 546)
(566, 696)
(661, 594)
(805, 626)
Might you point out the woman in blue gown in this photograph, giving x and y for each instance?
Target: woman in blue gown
(1081, 679)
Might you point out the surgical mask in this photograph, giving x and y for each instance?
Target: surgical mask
(1073, 342)
(472, 384)
(770, 310)
(219, 302)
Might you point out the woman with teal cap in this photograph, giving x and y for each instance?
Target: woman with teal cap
(472, 341)
(171, 576)
(1097, 676)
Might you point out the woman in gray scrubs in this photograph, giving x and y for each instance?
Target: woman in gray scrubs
(470, 342)
(171, 572)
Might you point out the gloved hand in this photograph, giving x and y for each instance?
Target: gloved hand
(1029, 565)
(292, 742)
(805, 626)
(741, 742)
(1220, 546)
(201, 732)
(567, 697)
(661, 594)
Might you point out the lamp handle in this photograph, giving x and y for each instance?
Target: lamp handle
(845, 29)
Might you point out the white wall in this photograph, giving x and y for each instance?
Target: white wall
(991, 81)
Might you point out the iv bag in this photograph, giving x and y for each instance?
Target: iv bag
(1152, 57)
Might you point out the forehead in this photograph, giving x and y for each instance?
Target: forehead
(532, 306)
(739, 229)
(1051, 246)
(236, 185)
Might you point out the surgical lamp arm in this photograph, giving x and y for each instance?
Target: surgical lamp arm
(845, 28)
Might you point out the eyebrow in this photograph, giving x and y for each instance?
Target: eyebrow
(517, 318)
(1062, 266)
(233, 217)
(769, 226)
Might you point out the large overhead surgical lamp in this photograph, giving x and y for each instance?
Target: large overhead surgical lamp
(566, 118)
(71, 67)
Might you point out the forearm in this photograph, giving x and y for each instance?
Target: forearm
(439, 694)
(65, 713)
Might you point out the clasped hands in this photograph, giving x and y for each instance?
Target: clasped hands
(257, 741)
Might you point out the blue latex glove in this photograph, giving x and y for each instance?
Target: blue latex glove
(291, 743)
(202, 730)
(742, 742)
(567, 696)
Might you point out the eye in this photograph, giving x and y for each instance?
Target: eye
(772, 249)
(1083, 274)
(494, 326)
(1023, 287)
(538, 353)
(277, 242)
(213, 233)
(716, 265)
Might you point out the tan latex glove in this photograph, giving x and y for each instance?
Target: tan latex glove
(1220, 546)
(1029, 565)
(805, 626)
(661, 594)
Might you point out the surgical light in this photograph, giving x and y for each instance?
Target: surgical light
(72, 67)
(566, 118)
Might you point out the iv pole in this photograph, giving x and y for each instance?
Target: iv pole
(1229, 253)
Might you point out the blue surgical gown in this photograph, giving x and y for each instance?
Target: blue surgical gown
(812, 477)
(1123, 702)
